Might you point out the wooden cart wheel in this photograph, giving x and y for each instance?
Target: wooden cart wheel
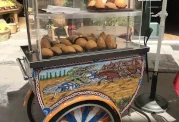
(34, 111)
(87, 111)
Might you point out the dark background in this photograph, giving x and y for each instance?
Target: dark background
(172, 21)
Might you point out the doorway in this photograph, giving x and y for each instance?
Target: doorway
(172, 21)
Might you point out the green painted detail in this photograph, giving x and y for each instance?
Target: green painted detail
(72, 70)
(73, 78)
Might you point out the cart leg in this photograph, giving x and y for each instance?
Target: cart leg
(129, 111)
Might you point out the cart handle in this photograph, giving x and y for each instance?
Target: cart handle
(26, 77)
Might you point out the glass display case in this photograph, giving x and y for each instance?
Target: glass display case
(77, 28)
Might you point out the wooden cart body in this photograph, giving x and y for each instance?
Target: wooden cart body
(114, 78)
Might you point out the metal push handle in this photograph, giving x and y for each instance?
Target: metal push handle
(26, 77)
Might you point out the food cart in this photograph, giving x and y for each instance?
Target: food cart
(82, 72)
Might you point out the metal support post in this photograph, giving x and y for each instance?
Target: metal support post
(128, 23)
(27, 25)
(152, 102)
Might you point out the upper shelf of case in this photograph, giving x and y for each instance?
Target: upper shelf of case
(86, 14)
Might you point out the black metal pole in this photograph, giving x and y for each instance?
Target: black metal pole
(154, 85)
(27, 25)
(147, 67)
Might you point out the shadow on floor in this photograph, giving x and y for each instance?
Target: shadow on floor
(15, 112)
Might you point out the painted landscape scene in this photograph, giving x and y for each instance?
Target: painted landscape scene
(117, 79)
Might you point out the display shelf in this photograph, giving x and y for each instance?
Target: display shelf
(86, 14)
(122, 50)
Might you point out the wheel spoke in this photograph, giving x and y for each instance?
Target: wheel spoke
(88, 113)
(85, 113)
(105, 118)
(92, 114)
(97, 117)
(70, 118)
(78, 115)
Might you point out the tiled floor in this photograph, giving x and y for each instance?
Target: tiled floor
(137, 117)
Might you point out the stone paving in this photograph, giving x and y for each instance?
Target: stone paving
(169, 59)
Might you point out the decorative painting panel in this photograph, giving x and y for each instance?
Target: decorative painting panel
(118, 80)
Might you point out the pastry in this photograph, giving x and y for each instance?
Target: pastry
(54, 43)
(92, 3)
(111, 5)
(56, 50)
(112, 1)
(81, 41)
(66, 42)
(91, 38)
(120, 3)
(46, 52)
(101, 43)
(45, 43)
(110, 43)
(103, 35)
(60, 45)
(68, 49)
(70, 38)
(91, 44)
(100, 4)
(78, 48)
(92, 35)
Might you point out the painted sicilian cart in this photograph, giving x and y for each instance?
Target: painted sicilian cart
(82, 68)
(93, 91)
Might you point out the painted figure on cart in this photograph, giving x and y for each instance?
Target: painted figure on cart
(116, 80)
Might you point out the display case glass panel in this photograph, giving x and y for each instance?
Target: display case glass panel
(71, 27)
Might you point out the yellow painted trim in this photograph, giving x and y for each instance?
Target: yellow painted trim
(80, 99)
(27, 97)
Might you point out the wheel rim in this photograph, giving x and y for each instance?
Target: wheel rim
(36, 111)
(87, 113)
